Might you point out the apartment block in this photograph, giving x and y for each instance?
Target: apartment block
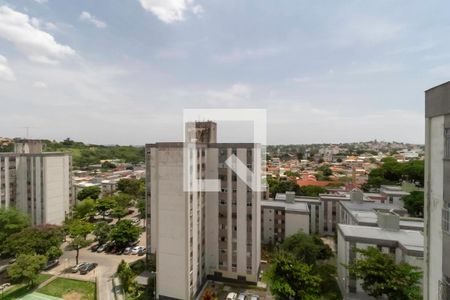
(281, 219)
(36, 183)
(198, 234)
(437, 193)
(404, 246)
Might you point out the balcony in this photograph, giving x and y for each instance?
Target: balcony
(444, 290)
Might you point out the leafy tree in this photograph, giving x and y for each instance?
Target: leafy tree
(289, 278)
(141, 207)
(124, 232)
(85, 209)
(123, 200)
(104, 204)
(299, 155)
(209, 294)
(381, 276)
(326, 171)
(119, 212)
(92, 192)
(126, 276)
(282, 186)
(107, 165)
(78, 231)
(11, 221)
(328, 286)
(37, 239)
(414, 203)
(26, 268)
(306, 248)
(312, 191)
(130, 186)
(102, 231)
(54, 252)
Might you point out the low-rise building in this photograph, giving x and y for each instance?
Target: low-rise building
(404, 245)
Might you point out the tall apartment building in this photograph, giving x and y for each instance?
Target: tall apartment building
(36, 183)
(198, 235)
(437, 193)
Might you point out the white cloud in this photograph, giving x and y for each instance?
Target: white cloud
(39, 85)
(87, 17)
(170, 11)
(41, 1)
(236, 92)
(5, 71)
(24, 33)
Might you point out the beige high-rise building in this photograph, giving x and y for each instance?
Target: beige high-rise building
(36, 183)
(198, 235)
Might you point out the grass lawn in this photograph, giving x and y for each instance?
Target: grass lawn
(20, 290)
(70, 289)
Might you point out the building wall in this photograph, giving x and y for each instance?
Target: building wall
(296, 222)
(433, 205)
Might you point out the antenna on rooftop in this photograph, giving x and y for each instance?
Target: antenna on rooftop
(27, 131)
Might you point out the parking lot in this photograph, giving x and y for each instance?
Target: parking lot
(223, 289)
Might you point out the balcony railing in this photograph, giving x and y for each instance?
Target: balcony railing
(444, 290)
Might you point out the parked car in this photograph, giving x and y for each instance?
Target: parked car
(51, 264)
(231, 296)
(133, 244)
(136, 250)
(102, 248)
(127, 250)
(135, 221)
(142, 251)
(242, 297)
(254, 297)
(5, 285)
(77, 268)
(95, 247)
(87, 268)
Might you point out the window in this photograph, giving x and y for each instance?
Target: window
(446, 219)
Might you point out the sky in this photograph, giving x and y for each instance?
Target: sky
(122, 72)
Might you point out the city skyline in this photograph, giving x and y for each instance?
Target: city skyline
(115, 73)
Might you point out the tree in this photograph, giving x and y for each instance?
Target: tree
(312, 191)
(326, 171)
(78, 231)
(123, 200)
(26, 268)
(306, 248)
(85, 209)
(414, 203)
(11, 221)
(126, 276)
(124, 232)
(104, 204)
(92, 192)
(289, 278)
(130, 186)
(54, 253)
(102, 231)
(37, 239)
(381, 276)
(141, 207)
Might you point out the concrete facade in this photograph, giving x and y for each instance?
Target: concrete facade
(36, 183)
(437, 192)
(200, 235)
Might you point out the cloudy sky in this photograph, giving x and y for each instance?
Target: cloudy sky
(114, 71)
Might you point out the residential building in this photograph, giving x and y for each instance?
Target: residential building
(404, 245)
(281, 219)
(393, 194)
(36, 183)
(196, 234)
(437, 193)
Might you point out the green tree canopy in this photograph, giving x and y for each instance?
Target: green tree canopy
(414, 203)
(126, 276)
(104, 204)
(381, 276)
(133, 187)
(102, 231)
(289, 278)
(124, 232)
(78, 231)
(26, 268)
(92, 192)
(306, 248)
(11, 221)
(37, 239)
(85, 209)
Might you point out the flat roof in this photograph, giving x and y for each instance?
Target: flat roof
(299, 207)
(410, 240)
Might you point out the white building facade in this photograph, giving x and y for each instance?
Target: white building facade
(200, 235)
(36, 183)
(437, 193)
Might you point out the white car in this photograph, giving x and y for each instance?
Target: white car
(127, 250)
(136, 250)
(231, 296)
(76, 268)
(242, 297)
(254, 297)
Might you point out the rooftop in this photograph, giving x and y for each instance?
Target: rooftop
(293, 207)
